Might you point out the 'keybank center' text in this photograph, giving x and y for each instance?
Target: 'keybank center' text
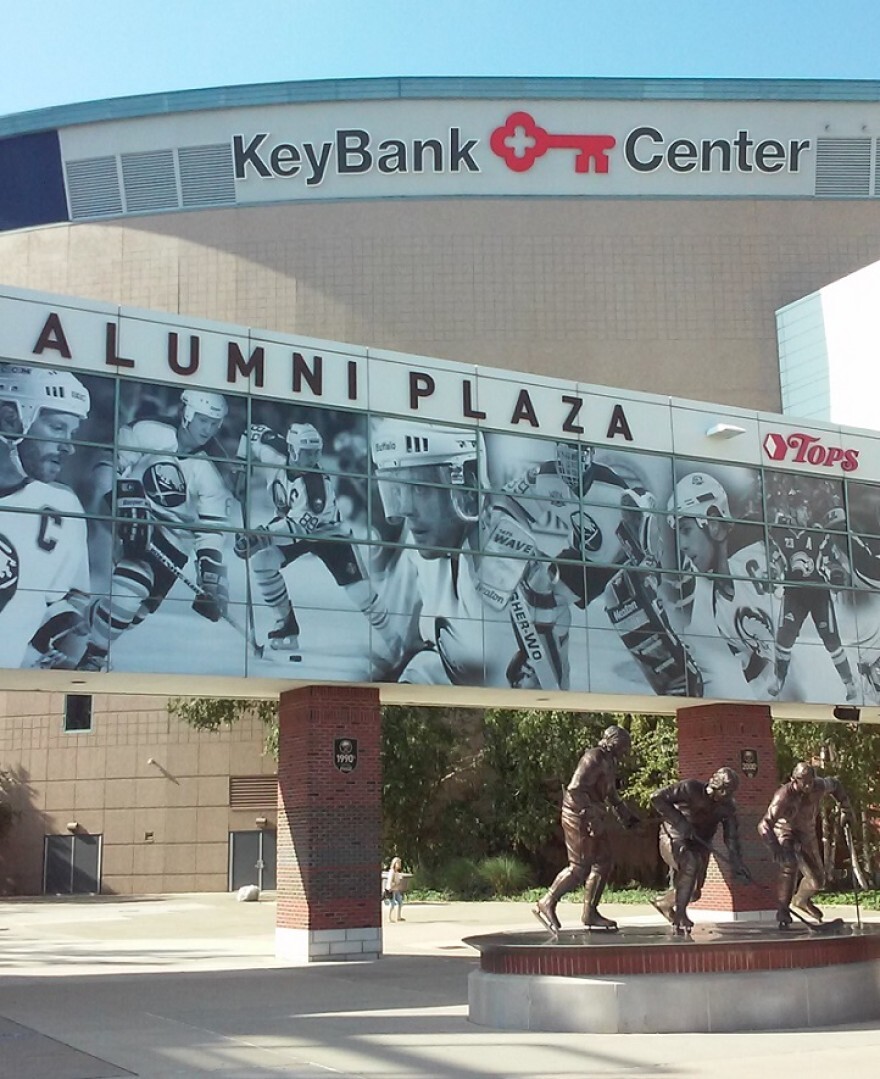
(355, 151)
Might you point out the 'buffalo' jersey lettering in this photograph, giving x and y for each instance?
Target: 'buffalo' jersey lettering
(43, 556)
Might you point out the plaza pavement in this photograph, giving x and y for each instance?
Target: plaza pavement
(187, 985)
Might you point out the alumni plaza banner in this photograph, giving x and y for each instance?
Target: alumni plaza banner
(192, 498)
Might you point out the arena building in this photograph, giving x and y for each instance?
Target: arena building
(638, 234)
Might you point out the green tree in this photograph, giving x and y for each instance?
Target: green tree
(530, 755)
(215, 713)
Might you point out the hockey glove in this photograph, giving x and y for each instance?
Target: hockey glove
(248, 543)
(212, 601)
(135, 528)
(635, 610)
(60, 640)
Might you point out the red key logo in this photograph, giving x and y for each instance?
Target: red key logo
(519, 142)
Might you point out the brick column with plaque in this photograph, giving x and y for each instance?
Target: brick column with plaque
(329, 824)
(740, 736)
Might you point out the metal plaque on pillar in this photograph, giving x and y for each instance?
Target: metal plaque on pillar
(748, 760)
(345, 754)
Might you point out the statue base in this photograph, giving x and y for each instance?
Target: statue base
(647, 980)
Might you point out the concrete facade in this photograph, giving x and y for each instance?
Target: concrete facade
(668, 296)
(164, 826)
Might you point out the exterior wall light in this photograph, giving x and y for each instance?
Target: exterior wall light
(725, 430)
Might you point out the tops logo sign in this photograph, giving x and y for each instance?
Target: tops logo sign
(519, 142)
(801, 448)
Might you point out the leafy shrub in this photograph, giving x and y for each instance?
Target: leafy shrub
(458, 878)
(505, 875)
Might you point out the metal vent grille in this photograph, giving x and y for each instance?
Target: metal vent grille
(843, 167)
(253, 792)
(149, 181)
(206, 175)
(93, 187)
(877, 167)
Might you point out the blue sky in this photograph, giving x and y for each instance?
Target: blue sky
(53, 52)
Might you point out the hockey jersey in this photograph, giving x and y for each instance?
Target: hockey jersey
(183, 491)
(43, 556)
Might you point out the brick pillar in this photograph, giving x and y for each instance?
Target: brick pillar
(709, 737)
(329, 825)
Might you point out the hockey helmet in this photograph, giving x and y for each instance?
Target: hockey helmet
(574, 462)
(399, 447)
(698, 495)
(31, 389)
(304, 445)
(203, 403)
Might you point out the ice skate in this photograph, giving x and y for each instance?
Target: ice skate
(808, 907)
(593, 920)
(92, 660)
(664, 906)
(284, 637)
(784, 918)
(545, 911)
(682, 925)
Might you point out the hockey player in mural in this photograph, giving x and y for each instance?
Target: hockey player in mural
(726, 619)
(306, 521)
(494, 611)
(808, 561)
(171, 502)
(44, 568)
(608, 551)
(861, 607)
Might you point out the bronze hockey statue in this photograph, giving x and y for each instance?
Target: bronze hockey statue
(690, 812)
(586, 801)
(789, 830)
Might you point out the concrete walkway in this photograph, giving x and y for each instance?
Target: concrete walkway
(187, 985)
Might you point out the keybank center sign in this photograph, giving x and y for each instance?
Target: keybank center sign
(537, 147)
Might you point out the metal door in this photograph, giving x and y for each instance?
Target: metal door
(72, 865)
(252, 859)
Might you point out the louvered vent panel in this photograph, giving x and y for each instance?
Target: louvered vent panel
(149, 181)
(206, 175)
(843, 167)
(253, 792)
(93, 187)
(877, 167)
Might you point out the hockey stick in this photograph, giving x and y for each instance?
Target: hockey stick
(193, 587)
(533, 642)
(814, 927)
(854, 869)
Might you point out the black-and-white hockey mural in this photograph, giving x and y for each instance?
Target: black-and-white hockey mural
(159, 526)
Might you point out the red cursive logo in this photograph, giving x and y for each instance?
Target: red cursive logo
(808, 449)
(519, 142)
